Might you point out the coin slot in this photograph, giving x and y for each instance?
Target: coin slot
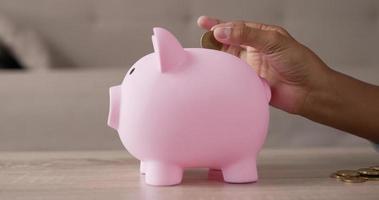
(131, 71)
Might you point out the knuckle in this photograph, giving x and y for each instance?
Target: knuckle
(274, 36)
(281, 30)
(275, 41)
(243, 33)
(276, 27)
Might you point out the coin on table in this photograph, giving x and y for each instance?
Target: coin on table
(335, 175)
(371, 178)
(208, 41)
(353, 179)
(348, 173)
(368, 172)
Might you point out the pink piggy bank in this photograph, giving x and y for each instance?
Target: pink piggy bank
(184, 108)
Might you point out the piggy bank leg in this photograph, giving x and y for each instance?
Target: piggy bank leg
(142, 167)
(243, 171)
(161, 173)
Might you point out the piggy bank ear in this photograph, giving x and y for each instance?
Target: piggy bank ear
(168, 50)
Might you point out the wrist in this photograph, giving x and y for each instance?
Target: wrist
(321, 93)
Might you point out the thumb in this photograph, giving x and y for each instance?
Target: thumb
(238, 33)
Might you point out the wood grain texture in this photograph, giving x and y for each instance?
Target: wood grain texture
(284, 174)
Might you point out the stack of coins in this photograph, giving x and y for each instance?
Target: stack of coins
(357, 176)
(208, 41)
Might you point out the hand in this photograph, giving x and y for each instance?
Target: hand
(291, 69)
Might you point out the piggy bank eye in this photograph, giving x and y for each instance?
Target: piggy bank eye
(131, 71)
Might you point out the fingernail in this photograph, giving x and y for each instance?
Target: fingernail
(222, 33)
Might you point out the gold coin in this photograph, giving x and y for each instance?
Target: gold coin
(375, 167)
(335, 175)
(353, 179)
(368, 172)
(371, 178)
(348, 173)
(208, 41)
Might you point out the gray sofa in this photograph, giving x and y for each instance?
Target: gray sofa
(93, 43)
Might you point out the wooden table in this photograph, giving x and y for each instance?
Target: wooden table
(113, 175)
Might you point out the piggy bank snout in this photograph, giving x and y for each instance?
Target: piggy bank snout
(114, 106)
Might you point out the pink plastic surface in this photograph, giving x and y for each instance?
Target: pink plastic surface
(184, 108)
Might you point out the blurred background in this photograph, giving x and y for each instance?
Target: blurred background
(59, 57)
